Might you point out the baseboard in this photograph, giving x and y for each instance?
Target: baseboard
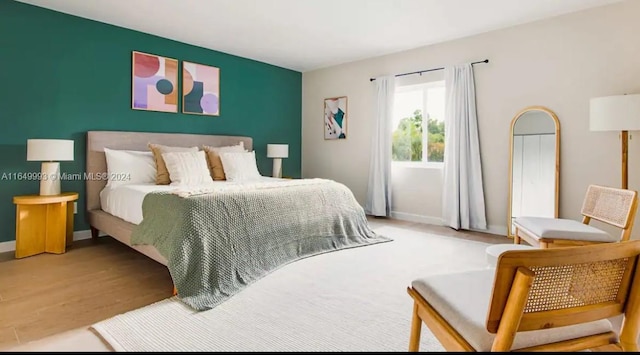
(410, 217)
(7, 246)
(10, 246)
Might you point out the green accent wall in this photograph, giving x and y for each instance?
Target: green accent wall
(63, 75)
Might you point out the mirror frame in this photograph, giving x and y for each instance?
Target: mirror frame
(557, 175)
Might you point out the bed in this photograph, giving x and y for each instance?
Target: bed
(219, 238)
(96, 166)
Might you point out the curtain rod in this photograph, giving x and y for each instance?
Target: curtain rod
(427, 70)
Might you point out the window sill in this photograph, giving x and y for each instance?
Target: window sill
(417, 165)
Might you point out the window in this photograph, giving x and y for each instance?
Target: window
(416, 106)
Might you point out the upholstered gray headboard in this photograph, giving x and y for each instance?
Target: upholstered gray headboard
(98, 140)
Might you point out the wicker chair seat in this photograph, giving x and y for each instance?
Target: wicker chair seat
(565, 229)
(463, 298)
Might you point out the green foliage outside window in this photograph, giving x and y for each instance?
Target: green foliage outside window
(406, 141)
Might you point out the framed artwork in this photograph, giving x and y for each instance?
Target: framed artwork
(200, 89)
(335, 118)
(154, 81)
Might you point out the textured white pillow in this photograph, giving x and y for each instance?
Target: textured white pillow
(240, 166)
(162, 178)
(187, 168)
(129, 167)
(213, 158)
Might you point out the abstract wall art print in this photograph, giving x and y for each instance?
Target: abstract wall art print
(154, 83)
(335, 118)
(200, 89)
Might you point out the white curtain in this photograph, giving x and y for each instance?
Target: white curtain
(379, 188)
(463, 193)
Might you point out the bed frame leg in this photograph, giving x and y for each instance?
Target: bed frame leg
(175, 291)
(94, 232)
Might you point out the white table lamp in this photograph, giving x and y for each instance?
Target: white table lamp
(616, 113)
(50, 152)
(277, 152)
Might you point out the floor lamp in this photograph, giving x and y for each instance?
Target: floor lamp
(616, 113)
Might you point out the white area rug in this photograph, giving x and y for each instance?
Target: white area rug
(349, 300)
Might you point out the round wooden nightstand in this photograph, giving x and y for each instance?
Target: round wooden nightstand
(44, 224)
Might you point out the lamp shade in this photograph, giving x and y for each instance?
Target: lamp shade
(277, 150)
(49, 149)
(615, 113)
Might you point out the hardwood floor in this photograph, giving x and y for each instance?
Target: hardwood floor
(46, 294)
(97, 279)
(376, 222)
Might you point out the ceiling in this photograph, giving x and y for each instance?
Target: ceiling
(304, 35)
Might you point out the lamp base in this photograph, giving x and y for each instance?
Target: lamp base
(50, 179)
(277, 167)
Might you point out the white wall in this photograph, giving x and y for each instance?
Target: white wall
(559, 63)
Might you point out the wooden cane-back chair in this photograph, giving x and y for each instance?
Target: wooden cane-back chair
(570, 292)
(609, 205)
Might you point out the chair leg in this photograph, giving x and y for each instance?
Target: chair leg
(516, 237)
(416, 326)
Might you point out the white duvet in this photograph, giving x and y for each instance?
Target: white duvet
(125, 201)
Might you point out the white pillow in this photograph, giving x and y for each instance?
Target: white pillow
(187, 168)
(213, 158)
(239, 166)
(129, 167)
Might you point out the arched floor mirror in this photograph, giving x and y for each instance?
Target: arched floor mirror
(534, 165)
